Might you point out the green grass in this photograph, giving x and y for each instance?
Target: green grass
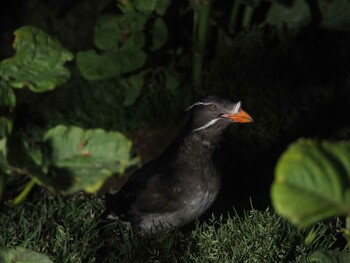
(68, 229)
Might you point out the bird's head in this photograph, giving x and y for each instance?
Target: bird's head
(216, 112)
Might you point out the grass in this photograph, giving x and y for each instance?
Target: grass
(68, 229)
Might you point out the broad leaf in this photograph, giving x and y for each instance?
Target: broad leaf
(294, 16)
(7, 96)
(21, 255)
(252, 3)
(312, 181)
(330, 257)
(38, 62)
(149, 6)
(83, 160)
(336, 14)
(159, 33)
(133, 87)
(6, 125)
(172, 80)
(95, 67)
(113, 32)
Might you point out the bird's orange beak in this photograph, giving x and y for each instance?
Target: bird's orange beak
(241, 117)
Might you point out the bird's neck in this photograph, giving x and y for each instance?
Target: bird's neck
(194, 145)
(199, 144)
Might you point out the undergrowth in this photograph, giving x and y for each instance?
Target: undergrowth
(100, 104)
(69, 229)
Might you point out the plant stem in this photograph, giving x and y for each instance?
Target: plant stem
(24, 192)
(200, 39)
(232, 23)
(247, 17)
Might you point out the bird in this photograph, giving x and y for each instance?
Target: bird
(183, 182)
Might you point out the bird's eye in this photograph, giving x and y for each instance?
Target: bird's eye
(212, 107)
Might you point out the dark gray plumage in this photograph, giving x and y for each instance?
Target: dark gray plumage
(183, 182)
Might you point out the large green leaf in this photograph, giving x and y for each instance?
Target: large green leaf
(6, 126)
(108, 64)
(149, 6)
(159, 34)
(7, 101)
(312, 181)
(133, 87)
(38, 62)
(21, 255)
(7, 96)
(335, 14)
(294, 16)
(330, 257)
(132, 59)
(98, 66)
(113, 32)
(83, 160)
(121, 39)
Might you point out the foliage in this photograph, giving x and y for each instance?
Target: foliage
(70, 159)
(18, 254)
(330, 257)
(136, 76)
(334, 15)
(38, 62)
(65, 159)
(121, 40)
(68, 229)
(312, 184)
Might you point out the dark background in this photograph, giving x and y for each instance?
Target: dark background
(293, 80)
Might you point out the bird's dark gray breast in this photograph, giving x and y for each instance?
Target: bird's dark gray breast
(196, 187)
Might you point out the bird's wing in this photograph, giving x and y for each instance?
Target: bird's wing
(161, 194)
(149, 190)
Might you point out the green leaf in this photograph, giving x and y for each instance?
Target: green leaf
(132, 59)
(294, 16)
(113, 32)
(149, 6)
(6, 125)
(252, 3)
(83, 160)
(107, 33)
(24, 156)
(7, 96)
(159, 33)
(172, 80)
(3, 166)
(21, 255)
(312, 181)
(133, 87)
(335, 15)
(38, 62)
(330, 257)
(95, 67)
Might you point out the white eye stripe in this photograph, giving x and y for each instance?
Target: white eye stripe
(208, 124)
(235, 110)
(198, 103)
